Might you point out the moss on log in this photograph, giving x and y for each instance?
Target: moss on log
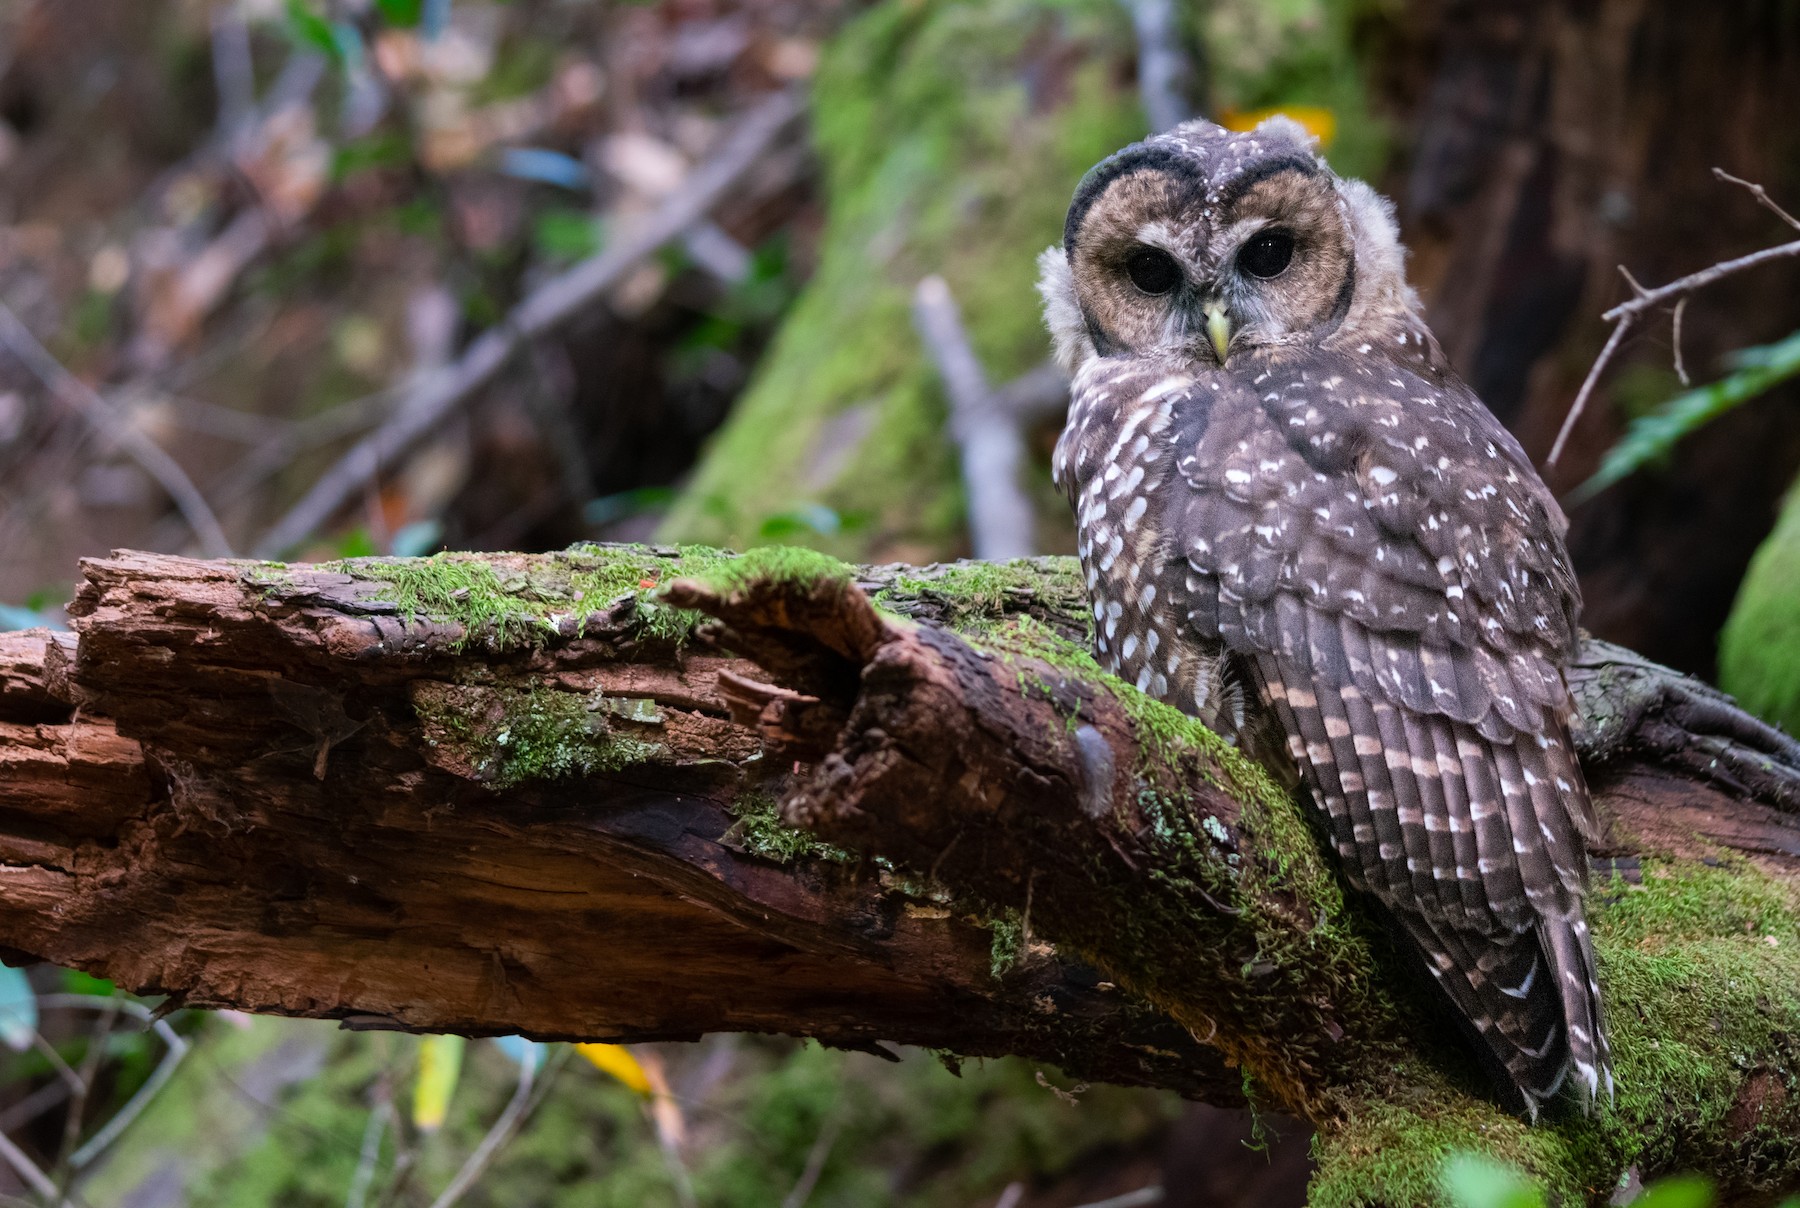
(528, 793)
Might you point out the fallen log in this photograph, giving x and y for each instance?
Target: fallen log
(537, 794)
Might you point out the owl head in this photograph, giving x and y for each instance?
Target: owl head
(1202, 242)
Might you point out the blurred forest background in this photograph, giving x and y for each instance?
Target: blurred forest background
(324, 278)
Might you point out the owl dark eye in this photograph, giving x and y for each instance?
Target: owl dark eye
(1267, 255)
(1153, 271)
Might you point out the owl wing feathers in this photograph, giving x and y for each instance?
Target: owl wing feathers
(1376, 548)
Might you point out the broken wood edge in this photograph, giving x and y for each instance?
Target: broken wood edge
(267, 649)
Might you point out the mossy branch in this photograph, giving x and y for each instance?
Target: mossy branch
(530, 794)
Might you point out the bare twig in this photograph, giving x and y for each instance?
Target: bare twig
(66, 1165)
(498, 1135)
(815, 1160)
(373, 1131)
(175, 1049)
(1675, 338)
(1000, 516)
(106, 419)
(1587, 387)
(26, 1169)
(547, 308)
(290, 440)
(1164, 72)
(1762, 196)
(1629, 314)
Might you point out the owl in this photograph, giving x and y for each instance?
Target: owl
(1289, 507)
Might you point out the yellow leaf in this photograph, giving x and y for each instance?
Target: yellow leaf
(440, 1065)
(1319, 121)
(616, 1059)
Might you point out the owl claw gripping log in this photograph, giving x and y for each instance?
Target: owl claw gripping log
(1287, 500)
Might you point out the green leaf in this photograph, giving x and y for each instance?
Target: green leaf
(440, 1067)
(357, 543)
(566, 235)
(310, 29)
(18, 1009)
(1680, 1191)
(803, 520)
(610, 508)
(383, 149)
(76, 982)
(1650, 438)
(404, 13)
(338, 39)
(1474, 1181)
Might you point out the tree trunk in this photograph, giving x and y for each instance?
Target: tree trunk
(508, 794)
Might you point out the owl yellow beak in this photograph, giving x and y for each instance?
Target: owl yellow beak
(1218, 328)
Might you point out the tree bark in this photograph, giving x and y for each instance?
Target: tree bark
(533, 794)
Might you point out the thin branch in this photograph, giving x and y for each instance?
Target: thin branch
(551, 305)
(66, 1164)
(1587, 388)
(1628, 314)
(498, 1135)
(816, 1158)
(1675, 338)
(26, 1169)
(175, 1049)
(1000, 514)
(110, 422)
(373, 1131)
(1695, 281)
(1762, 196)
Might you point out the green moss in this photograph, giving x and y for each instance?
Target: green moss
(507, 601)
(1393, 1155)
(760, 831)
(510, 738)
(1007, 948)
(1759, 648)
(1700, 966)
(978, 597)
(952, 136)
(779, 565)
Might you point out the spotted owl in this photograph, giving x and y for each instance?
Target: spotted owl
(1289, 507)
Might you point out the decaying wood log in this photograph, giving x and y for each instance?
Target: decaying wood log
(527, 794)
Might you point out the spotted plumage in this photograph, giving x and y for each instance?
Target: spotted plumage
(1289, 506)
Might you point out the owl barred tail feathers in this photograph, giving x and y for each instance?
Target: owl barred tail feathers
(1278, 481)
(1508, 949)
